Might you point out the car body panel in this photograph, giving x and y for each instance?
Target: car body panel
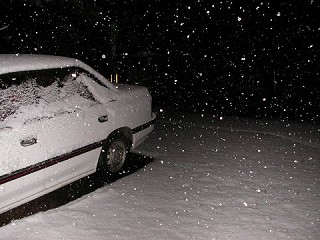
(78, 131)
(21, 158)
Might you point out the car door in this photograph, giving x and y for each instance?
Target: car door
(22, 144)
(75, 134)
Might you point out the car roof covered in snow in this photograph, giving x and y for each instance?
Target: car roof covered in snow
(25, 62)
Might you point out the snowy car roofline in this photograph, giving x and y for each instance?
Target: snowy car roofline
(28, 62)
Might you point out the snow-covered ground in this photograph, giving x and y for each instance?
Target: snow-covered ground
(211, 178)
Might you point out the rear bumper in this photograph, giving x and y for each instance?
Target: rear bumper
(140, 133)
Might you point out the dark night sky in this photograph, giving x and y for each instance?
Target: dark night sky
(244, 58)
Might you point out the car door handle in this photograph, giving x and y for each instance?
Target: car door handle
(103, 118)
(28, 142)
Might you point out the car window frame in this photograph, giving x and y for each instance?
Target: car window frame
(46, 73)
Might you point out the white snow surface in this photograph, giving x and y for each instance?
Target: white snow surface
(211, 178)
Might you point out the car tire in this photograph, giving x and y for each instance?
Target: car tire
(112, 157)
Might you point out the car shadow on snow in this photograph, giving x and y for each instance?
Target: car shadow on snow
(74, 190)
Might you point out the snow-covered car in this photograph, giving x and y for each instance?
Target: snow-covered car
(60, 120)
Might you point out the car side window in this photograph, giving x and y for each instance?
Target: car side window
(16, 90)
(48, 87)
(62, 85)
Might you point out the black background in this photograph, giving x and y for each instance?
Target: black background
(241, 58)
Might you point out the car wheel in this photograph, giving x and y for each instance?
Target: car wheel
(116, 155)
(112, 156)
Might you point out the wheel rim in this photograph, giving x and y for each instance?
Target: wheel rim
(116, 156)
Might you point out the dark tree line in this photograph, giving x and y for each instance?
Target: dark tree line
(231, 57)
